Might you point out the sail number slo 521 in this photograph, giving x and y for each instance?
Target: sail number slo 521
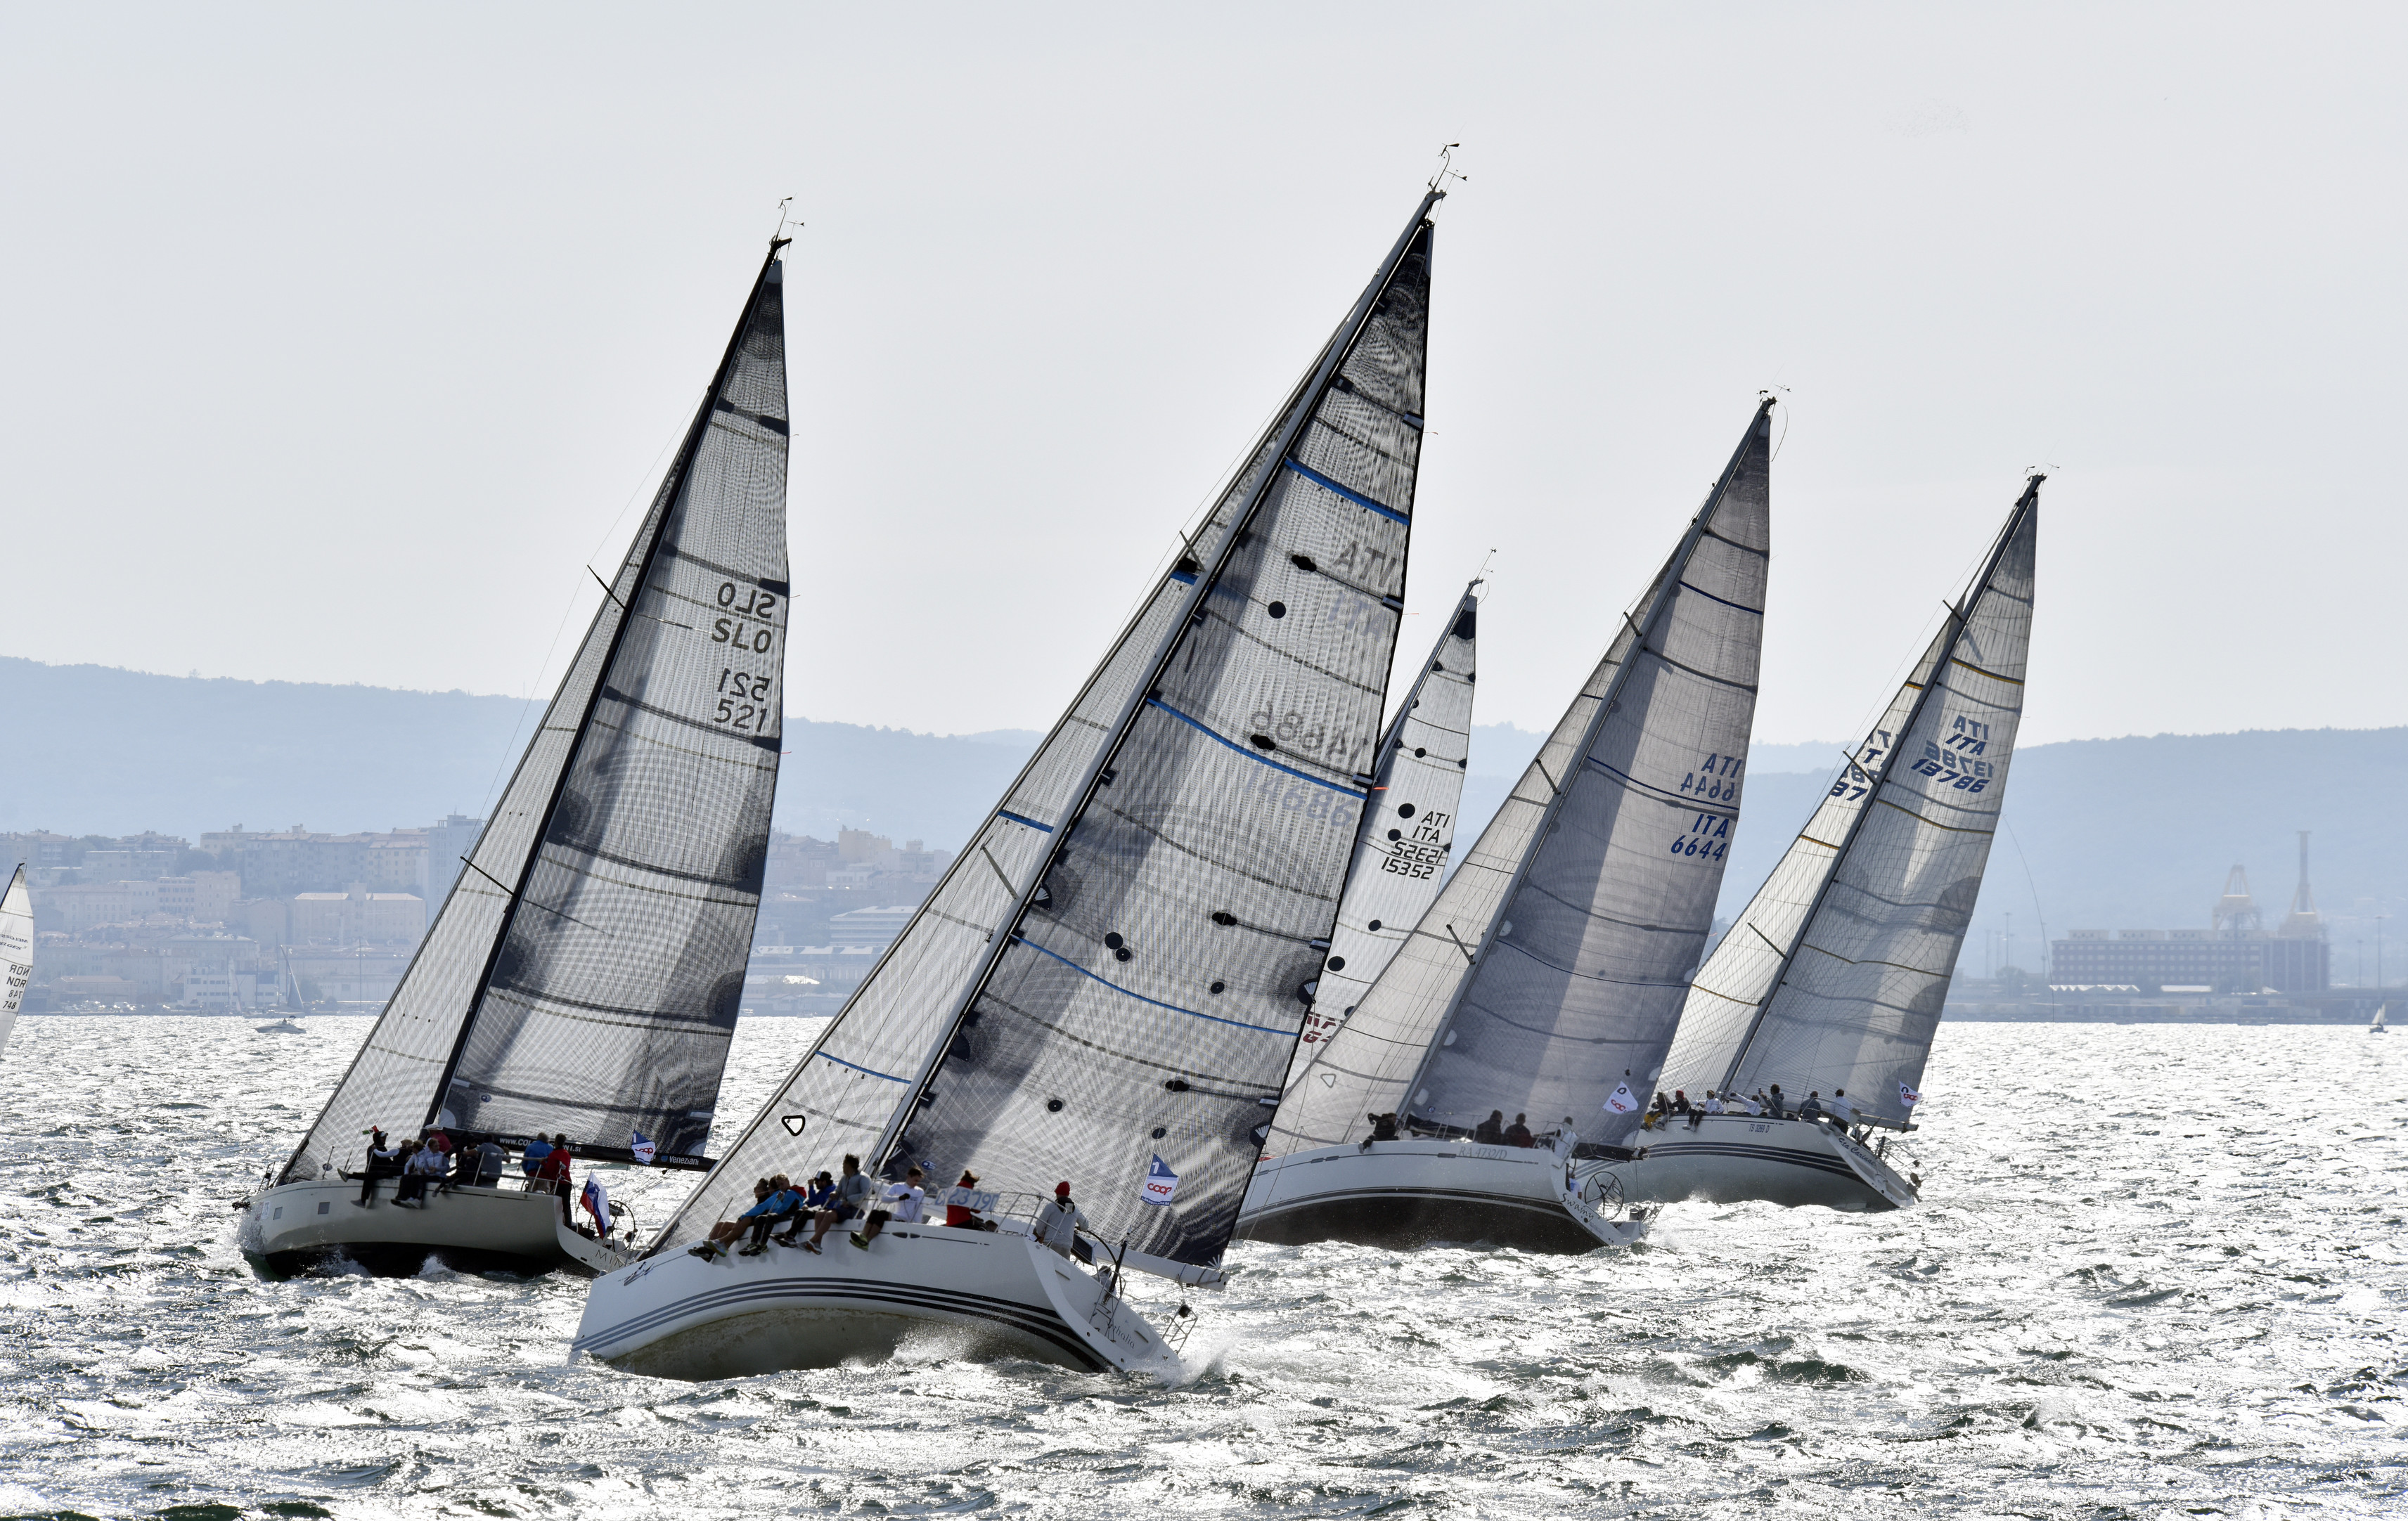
(744, 701)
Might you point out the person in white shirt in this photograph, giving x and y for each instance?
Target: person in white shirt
(1839, 1109)
(1059, 1222)
(1713, 1102)
(904, 1199)
(425, 1165)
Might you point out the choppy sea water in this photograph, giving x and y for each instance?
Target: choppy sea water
(2160, 1274)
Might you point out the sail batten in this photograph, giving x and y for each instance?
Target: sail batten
(1147, 897)
(1853, 938)
(633, 832)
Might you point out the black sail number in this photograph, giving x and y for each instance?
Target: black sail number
(746, 625)
(744, 700)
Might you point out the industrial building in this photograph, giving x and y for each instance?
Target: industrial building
(2234, 954)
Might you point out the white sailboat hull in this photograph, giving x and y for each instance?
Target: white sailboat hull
(1409, 1193)
(677, 1315)
(293, 1225)
(1729, 1158)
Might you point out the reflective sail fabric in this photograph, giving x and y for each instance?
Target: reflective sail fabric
(16, 950)
(1572, 927)
(1834, 976)
(1399, 860)
(590, 986)
(847, 1094)
(841, 1096)
(1148, 1005)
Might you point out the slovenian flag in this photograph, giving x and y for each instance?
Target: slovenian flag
(1907, 1096)
(640, 1147)
(1160, 1183)
(596, 1200)
(1621, 1100)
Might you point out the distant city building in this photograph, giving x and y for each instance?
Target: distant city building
(355, 918)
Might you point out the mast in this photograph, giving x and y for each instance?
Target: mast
(1299, 415)
(681, 467)
(1958, 616)
(1608, 702)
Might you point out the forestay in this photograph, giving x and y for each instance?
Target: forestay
(1555, 958)
(1399, 860)
(1834, 976)
(16, 949)
(585, 973)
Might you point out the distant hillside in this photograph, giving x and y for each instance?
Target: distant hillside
(2118, 834)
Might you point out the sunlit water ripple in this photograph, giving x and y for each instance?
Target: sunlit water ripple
(2160, 1274)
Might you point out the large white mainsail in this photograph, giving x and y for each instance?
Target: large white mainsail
(1554, 958)
(1399, 862)
(16, 950)
(1834, 976)
(584, 974)
(1117, 968)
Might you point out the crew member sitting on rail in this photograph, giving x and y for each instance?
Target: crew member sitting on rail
(1490, 1131)
(781, 1204)
(1384, 1127)
(853, 1191)
(903, 1201)
(1058, 1223)
(1518, 1134)
(727, 1231)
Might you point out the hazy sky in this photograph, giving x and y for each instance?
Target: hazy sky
(340, 338)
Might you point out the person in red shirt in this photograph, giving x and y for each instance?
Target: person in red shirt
(554, 1171)
(957, 1210)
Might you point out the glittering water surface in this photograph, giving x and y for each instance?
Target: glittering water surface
(2160, 1274)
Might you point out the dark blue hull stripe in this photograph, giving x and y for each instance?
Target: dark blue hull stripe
(1043, 1323)
(1754, 1154)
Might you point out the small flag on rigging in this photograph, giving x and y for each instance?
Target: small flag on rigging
(640, 1146)
(596, 1200)
(1621, 1100)
(1907, 1096)
(1160, 1183)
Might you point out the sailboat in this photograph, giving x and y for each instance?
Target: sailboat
(1106, 987)
(1548, 973)
(1401, 856)
(584, 974)
(288, 991)
(16, 949)
(1829, 985)
(2374, 1029)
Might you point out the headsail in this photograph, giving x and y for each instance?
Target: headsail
(16, 950)
(1399, 862)
(585, 973)
(1834, 976)
(1554, 958)
(1110, 972)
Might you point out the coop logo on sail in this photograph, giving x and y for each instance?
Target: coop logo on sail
(1160, 1183)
